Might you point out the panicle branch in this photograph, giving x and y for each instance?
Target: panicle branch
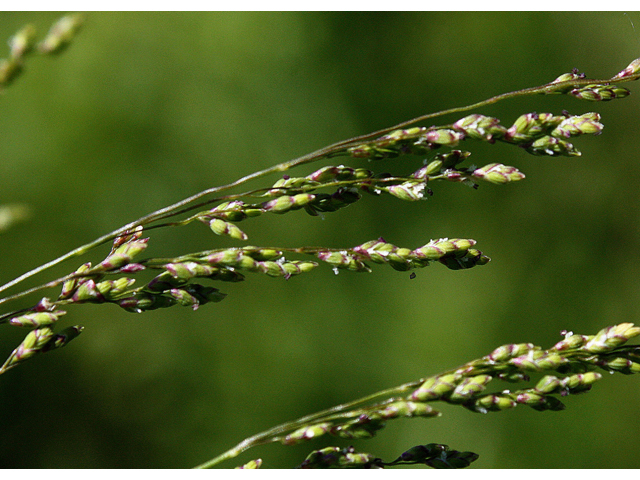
(567, 368)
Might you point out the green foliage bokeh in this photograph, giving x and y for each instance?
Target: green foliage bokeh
(147, 108)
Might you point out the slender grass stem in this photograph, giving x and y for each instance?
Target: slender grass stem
(273, 434)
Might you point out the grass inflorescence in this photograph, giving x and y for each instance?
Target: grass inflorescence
(188, 278)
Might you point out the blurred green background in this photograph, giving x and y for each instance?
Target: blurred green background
(147, 108)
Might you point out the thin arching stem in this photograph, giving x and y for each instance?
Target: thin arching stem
(272, 435)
